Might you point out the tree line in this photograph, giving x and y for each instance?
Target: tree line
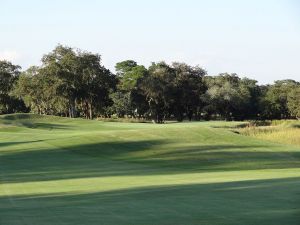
(74, 83)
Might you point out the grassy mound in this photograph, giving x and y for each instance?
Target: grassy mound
(72, 171)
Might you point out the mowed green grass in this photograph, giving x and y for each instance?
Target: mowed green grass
(73, 171)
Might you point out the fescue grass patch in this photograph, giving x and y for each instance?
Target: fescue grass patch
(286, 131)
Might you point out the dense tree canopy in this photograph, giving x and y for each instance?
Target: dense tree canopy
(231, 97)
(276, 99)
(70, 83)
(9, 74)
(293, 102)
(128, 98)
(74, 83)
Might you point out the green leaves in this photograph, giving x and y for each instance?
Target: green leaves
(72, 82)
(293, 102)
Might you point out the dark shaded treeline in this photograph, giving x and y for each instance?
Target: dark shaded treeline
(74, 83)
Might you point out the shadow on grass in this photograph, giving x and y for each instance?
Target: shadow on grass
(263, 202)
(39, 125)
(21, 116)
(7, 144)
(295, 125)
(47, 126)
(137, 158)
(30, 121)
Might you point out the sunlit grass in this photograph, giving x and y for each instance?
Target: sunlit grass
(287, 132)
(57, 170)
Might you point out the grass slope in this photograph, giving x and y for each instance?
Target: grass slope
(72, 171)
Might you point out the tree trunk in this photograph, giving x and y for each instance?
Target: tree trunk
(72, 108)
(190, 114)
(91, 109)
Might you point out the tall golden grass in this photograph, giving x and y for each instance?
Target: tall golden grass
(280, 131)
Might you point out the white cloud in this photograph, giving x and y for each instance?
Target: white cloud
(9, 55)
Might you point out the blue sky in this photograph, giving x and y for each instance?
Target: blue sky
(259, 39)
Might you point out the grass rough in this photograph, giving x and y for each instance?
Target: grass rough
(63, 171)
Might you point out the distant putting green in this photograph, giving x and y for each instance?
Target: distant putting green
(59, 171)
